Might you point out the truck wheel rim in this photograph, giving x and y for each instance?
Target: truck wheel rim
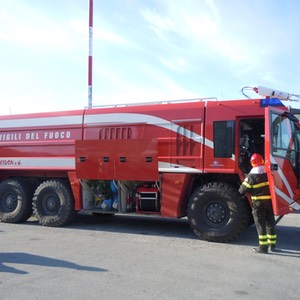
(51, 204)
(215, 213)
(10, 202)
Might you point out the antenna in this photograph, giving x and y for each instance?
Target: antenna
(90, 58)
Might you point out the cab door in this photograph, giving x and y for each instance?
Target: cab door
(282, 159)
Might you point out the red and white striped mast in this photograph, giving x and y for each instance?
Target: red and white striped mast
(90, 59)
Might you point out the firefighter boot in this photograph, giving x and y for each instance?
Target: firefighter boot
(261, 249)
(272, 248)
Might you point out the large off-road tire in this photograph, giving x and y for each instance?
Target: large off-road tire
(15, 201)
(217, 213)
(53, 203)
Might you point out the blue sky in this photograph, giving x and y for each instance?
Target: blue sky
(144, 50)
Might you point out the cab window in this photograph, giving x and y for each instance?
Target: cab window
(223, 138)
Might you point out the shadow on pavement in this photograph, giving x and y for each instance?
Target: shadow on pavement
(288, 237)
(288, 240)
(31, 259)
(146, 225)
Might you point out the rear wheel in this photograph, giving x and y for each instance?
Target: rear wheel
(217, 213)
(15, 201)
(53, 203)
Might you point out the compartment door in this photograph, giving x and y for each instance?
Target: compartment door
(117, 159)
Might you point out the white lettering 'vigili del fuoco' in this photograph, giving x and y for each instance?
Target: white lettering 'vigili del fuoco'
(46, 135)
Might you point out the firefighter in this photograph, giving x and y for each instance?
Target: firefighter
(256, 183)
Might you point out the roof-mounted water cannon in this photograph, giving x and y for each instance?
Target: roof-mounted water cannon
(272, 93)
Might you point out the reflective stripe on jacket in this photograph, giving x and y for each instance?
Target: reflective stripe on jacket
(256, 183)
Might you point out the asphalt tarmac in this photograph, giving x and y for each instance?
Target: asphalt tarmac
(133, 257)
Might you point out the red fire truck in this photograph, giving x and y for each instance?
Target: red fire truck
(172, 159)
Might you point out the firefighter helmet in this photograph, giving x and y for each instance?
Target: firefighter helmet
(257, 160)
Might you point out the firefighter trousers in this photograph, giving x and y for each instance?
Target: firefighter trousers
(263, 215)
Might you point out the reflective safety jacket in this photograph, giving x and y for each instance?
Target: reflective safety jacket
(256, 183)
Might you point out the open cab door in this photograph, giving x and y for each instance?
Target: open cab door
(282, 155)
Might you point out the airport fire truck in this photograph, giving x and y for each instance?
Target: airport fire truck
(170, 159)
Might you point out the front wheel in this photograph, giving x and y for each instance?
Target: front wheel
(53, 203)
(217, 213)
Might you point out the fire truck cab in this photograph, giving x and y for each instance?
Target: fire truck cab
(170, 159)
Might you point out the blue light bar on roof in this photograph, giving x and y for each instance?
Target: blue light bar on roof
(270, 102)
